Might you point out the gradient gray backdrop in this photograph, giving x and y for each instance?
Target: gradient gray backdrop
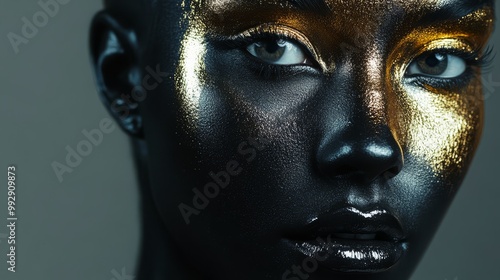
(87, 227)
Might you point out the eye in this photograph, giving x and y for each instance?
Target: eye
(278, 51)
(438, 65)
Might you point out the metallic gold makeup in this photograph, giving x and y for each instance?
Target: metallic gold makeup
(189, 77)
(440, 126)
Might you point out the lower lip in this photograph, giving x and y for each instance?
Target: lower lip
(348, 255)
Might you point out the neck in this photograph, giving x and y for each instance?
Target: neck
(159, 257)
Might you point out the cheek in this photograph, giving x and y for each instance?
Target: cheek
(226, 99)
(440, 128)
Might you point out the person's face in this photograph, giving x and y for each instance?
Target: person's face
(354, 123)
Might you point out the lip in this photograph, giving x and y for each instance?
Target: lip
(350, 240)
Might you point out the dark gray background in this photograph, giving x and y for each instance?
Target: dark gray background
(87, 227)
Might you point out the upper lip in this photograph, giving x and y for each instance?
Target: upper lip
(352, 223)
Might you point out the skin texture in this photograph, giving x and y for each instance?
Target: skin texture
(348, 131)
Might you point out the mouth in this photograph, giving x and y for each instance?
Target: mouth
(350, 240)
(356, 236)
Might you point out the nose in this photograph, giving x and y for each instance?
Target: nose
(360, 153)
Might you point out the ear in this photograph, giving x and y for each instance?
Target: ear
(114, 52)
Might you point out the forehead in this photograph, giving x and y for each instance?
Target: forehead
(330, 17)
(338, 6)
(343, 12)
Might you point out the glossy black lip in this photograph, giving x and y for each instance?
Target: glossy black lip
(351, 220)
(324, 238)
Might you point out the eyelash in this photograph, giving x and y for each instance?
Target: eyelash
(475, 58)
(267, 70)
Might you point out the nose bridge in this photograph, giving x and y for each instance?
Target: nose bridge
(359, 86)
(365, 145)
(369, 82)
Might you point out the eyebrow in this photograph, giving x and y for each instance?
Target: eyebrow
(450, 11)
(317, 6)
(454, 10)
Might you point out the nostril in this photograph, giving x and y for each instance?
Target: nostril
(345, 170)
(392, 172)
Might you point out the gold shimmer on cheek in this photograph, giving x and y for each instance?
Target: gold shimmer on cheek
(191, 68)
(441, 128)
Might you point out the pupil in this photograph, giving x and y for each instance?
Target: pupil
(433, 64)
(272, 47)
(434, 60)
(270, 50)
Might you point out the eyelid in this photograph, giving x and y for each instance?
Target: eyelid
(452, 45)
(283, 31)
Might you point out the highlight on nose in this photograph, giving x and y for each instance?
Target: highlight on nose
(360, 156)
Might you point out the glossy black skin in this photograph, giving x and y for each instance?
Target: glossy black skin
(299, 172)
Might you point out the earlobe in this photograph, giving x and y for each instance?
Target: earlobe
(114, 53)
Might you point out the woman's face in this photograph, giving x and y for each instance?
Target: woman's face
(311, 140)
